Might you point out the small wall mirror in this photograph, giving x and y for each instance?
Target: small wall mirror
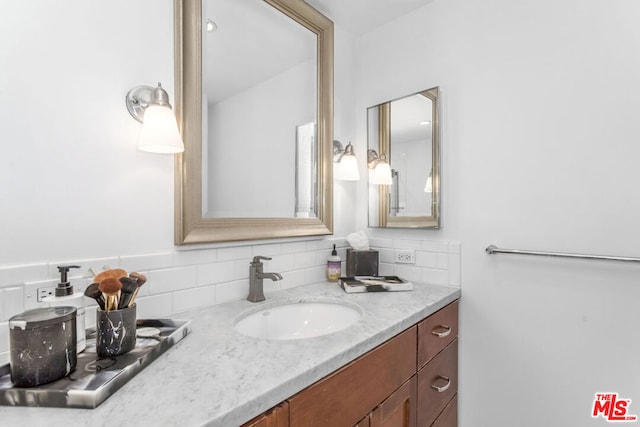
(404, 132)
(254, 97)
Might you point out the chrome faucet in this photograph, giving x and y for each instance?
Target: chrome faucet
(256, 293)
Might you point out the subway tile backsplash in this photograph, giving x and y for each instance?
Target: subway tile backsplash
(189, 279)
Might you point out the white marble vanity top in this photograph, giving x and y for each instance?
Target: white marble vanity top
(218, 377)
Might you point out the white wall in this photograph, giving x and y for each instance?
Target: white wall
(69, 145)
(258, 140)
(539, 132)
(75, 189)
(72, 182)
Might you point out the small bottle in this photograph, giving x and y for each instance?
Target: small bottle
(65, 296)
(334, 266)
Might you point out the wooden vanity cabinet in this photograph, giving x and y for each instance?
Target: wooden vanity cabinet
(409, 381)
(275, 417)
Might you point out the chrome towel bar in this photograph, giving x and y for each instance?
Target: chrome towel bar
(492, 249)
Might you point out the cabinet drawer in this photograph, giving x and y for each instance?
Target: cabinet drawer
(437, 384)
(448, 417)
(346, 396)
(436, 332)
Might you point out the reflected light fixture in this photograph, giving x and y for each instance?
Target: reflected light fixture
(211, 25)
(347, 162)
(150, 106)
(428, 186)
(381, 168)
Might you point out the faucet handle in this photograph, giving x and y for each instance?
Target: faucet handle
(256, 259)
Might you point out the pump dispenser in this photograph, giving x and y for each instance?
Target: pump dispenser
(334, 266)
(64, 287)
(64, 296)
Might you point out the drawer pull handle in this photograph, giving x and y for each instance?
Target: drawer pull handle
(444, 387)
(441, 331)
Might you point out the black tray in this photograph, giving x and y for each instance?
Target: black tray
(95, 378)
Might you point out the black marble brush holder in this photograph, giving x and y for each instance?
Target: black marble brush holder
(115, 331)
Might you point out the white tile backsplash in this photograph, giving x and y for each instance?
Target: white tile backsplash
(194, 298)
(227, 254)
(11, 275)
(232, 291)
(218, 272)
(13, 301)
(154, 306)
(146, 261)
(171, 279)
(193, 278)
(437, 261)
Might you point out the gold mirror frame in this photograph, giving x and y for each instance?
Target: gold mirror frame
(190, 225)
(384, 138)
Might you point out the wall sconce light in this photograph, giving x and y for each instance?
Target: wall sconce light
(428, 186)
(347, 162)
(381, 168)
(150, 106)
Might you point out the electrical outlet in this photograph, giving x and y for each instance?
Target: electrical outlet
(46, 291)
(405, 256)
(35, 291)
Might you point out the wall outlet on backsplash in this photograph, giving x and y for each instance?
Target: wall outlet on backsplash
(405, 256)
(35, 292)
(45, 291)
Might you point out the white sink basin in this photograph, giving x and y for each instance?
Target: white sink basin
(296, 320)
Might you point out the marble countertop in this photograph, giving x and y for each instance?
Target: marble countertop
(218, 377)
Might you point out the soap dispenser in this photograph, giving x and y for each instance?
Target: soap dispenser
(64, 296)
(334, 266)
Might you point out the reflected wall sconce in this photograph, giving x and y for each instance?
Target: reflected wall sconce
(381, 168)
(428, 186)
(347, 162)
(150, 106)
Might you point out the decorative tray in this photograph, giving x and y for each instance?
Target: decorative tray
(95, 378)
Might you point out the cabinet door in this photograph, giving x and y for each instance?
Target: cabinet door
(399, 410)
(349, 394)
(275, 417)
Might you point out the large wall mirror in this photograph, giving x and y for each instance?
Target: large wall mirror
(254, 97)
(405, 132)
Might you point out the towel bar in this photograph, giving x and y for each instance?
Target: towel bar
(492, 249)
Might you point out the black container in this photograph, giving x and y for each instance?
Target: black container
(115, 331)
(42, 345)
(362, 262)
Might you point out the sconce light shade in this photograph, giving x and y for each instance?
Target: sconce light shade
(428, 186)
(159, 132)
(381, 168)
(151, 107)
(382, 173)
(348, 168)
(347, 162)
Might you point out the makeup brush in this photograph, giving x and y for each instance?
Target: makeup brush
(140, 279)
(129, 287)
(110, 289)
(114, 273)
(92, 291)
